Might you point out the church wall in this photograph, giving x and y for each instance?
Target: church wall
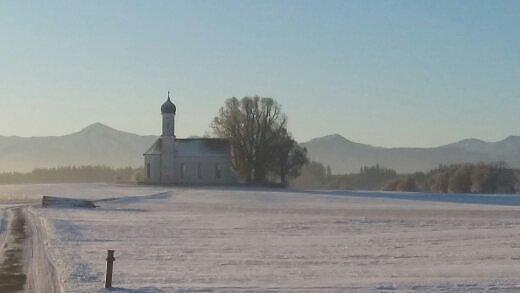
(208, 172)
(154, 163)
(168, 159)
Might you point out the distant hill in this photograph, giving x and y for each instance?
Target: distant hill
(99, 144)
(345, 156)
(507, 149)
(96, 144)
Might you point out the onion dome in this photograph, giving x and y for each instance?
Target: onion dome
(168, 107)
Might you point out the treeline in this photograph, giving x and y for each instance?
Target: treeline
(74, 174)
(456, 178)
(475, 178)
(315, 175)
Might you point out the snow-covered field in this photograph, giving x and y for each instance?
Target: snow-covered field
(23, 194)
(239, 239)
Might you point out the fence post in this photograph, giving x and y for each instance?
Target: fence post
(110, 267)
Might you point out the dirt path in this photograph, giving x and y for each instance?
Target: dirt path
(12, 275)
(24, 266)
(41, 274)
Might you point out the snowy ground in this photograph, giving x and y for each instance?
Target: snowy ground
(21, 193)
(24, 194)
(237, 239)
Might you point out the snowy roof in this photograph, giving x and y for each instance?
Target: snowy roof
(194, 147)
(155, 149)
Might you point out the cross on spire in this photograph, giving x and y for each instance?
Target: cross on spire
(168, 94)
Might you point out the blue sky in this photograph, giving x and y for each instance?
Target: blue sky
(389, 73)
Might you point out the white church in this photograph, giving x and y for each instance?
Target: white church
(190, 161)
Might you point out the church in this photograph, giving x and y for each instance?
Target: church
(187, 161)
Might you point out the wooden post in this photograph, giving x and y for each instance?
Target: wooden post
(110, 267)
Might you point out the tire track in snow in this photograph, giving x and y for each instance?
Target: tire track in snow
(41, 273)
(24, 265)
(12, 274)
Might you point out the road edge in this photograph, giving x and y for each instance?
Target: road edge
(42, 275)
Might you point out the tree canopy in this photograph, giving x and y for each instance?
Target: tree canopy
(261, 144)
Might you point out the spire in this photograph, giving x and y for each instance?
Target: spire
(168, 107)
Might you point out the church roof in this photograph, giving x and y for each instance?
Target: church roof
(202, 146)
(155, 149)
(194, 147)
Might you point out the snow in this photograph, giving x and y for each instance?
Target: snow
(3, 224)
(468, 198)
(169, 239)
(34, 192)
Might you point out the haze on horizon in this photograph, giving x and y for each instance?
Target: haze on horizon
(407, 73)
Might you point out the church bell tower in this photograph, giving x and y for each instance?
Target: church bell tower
(168, 111)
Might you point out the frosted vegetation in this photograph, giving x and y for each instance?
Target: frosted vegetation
(458, 178)
(74, 174)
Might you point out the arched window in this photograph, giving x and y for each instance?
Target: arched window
(148, 171)
(218, 171)
(183, 170)
(199, 170)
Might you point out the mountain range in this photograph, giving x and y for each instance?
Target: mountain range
(96, 144)
(99, 144)
(344, 156)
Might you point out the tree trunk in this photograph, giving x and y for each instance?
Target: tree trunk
(260, 175)
(283, 178)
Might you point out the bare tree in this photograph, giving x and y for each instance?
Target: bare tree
(460, 180)
(329, 171)
(313, 175)
(253, 125)
(288, 157)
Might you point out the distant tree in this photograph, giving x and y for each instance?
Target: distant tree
(313, 175)
(72, 174)
(504, 177)
(329, 171)
(372, 177)
(517, 179)
(460, 180)
(420, 179)
(439, 181)
(407, 184)
(478, 178)
(287, 157)
(392, 185)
